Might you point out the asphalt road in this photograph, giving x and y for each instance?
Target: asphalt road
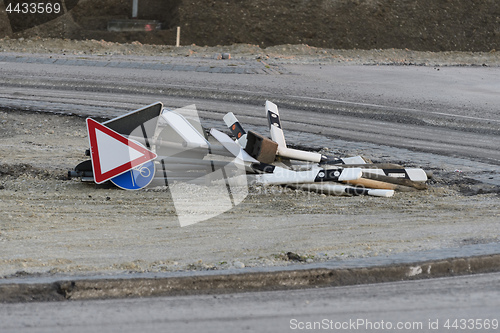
(452, 111)
(412, 306)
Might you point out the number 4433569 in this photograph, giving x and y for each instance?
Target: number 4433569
(34, 8)
(471, 324)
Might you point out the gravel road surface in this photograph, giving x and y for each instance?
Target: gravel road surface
(440, 117)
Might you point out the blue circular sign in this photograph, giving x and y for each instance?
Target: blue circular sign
(136, 178)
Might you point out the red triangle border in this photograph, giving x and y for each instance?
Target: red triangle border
(99, 176)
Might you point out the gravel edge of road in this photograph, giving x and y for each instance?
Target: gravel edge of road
(286, 54)
(109, 288)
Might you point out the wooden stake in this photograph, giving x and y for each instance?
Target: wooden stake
(178, 39)
(376, 184)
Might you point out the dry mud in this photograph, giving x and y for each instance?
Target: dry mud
(53, 225)
(49, 224)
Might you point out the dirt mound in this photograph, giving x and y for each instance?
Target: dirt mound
(465, 25)
(16, 170)
(346, 24)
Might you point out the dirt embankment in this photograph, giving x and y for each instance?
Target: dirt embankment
(345, 24)
(426, 25)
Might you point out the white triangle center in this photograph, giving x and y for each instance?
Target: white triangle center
(113, 153)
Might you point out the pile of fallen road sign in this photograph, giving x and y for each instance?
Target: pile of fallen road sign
(153, 146)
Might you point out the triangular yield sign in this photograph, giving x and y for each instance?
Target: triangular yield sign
(113, 154)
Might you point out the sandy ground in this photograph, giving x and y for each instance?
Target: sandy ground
(49, 224)
(53, 225)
